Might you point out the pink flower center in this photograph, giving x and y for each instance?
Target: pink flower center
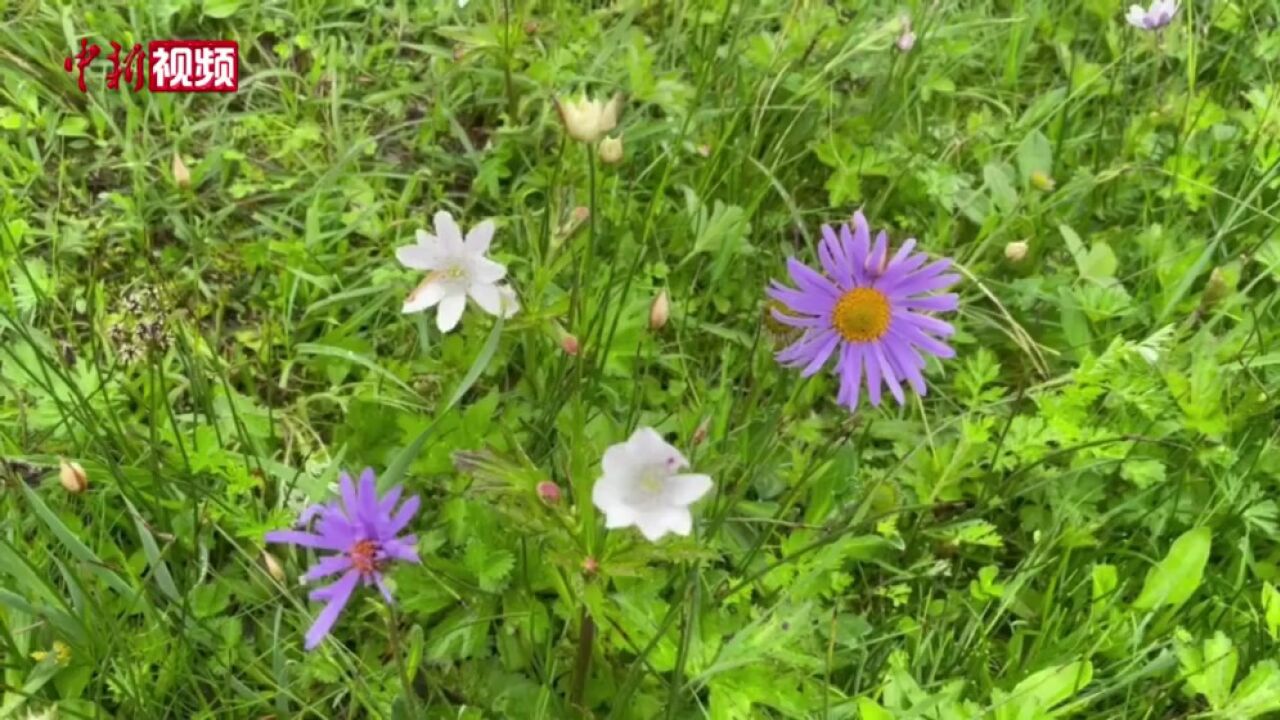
(364, 556)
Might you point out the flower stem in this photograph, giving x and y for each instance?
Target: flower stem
(582, 663)
(393, 634)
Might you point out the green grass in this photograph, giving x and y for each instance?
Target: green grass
(1077, 520)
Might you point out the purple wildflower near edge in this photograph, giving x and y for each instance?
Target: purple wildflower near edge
(867, 311)
(361, 528)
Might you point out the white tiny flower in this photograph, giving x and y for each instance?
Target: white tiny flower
(641, 486)
(589, 120)
(456, 268)
(1159, 14)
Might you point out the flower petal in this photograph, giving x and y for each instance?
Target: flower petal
(646, 445)
(822, 354)
(686, 488)
(484, 270)
(486, 296)
(449, 234)
(886, 371)
(402, 517)
(450, 311)
(350, 501)
(850, 369)
(478, 239)
(327, 566)
(418, 257)
(809, 280)
(338, 594)
(306, 539)
(428, 293)
(657, 523)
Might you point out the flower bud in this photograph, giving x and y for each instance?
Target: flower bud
(1016, 251)
(611, 150)
(549, 492)
(659, 311)
(704, 150)
(906, 41)
(569, 343)
(274, 569)
(590, 566)
(181, 175)
(700, 434)
(72, 476)
(588, 120)
(459, 52)
(1042, 181)
(1216, 289)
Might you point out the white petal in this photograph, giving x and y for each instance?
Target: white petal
(619, 462)
(1137, 16)
(428, 293)
(647, 446)
(654, 524)
(608, 492)
(619, 517)
(418, 257)
(478, 239)
(684, 489)
(450, 311)
(510, 303)
(425, 238)
(448, 233)
(485, 270)
(488, 297)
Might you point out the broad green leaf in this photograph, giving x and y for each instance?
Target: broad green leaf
(1258, 693)
(1100, 264)
(1271, 608)
(869, 709)
(1210, 669)
(1034, 153)
(219, 9)
(1178, 575)
(1041, 691)
(1000, 186)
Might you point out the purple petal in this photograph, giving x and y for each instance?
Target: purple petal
(797, 301)
(858, 246)
(872, 367)
(886, 371)
(803, 350)
(850, 369)
(402, 516)
(931, 325)
(834, 260)
(907, 362)
(403, 549)
(931, 303)
(799, 322)
(368, 497)
(820, 357)
(310, 512)
(907, 246)
(899, 269)
(388, 501)
(350, 503)
(810, 280)
(908, 333)
(306, 539)
(325, 567)
(875, 261)
(339, 593)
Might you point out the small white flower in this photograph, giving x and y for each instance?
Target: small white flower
(1159, 14)
(456, 268)
(589, 120)
(641, 486)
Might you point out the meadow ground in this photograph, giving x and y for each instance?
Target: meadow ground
(1078, 518)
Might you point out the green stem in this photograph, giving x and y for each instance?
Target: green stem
(582, 663)
(406, 682)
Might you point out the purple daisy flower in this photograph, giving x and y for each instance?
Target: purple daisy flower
(866, 310)
(361, 528)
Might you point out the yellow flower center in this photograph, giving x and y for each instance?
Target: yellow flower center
(861, 315)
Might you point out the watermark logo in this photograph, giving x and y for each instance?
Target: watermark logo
(167, 66)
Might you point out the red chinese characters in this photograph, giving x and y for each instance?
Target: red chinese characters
(194, 65)
(166, 66)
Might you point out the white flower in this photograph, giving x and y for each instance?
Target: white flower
(641, 486)
(588, 120)
(1159, 14)
(456, 268)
